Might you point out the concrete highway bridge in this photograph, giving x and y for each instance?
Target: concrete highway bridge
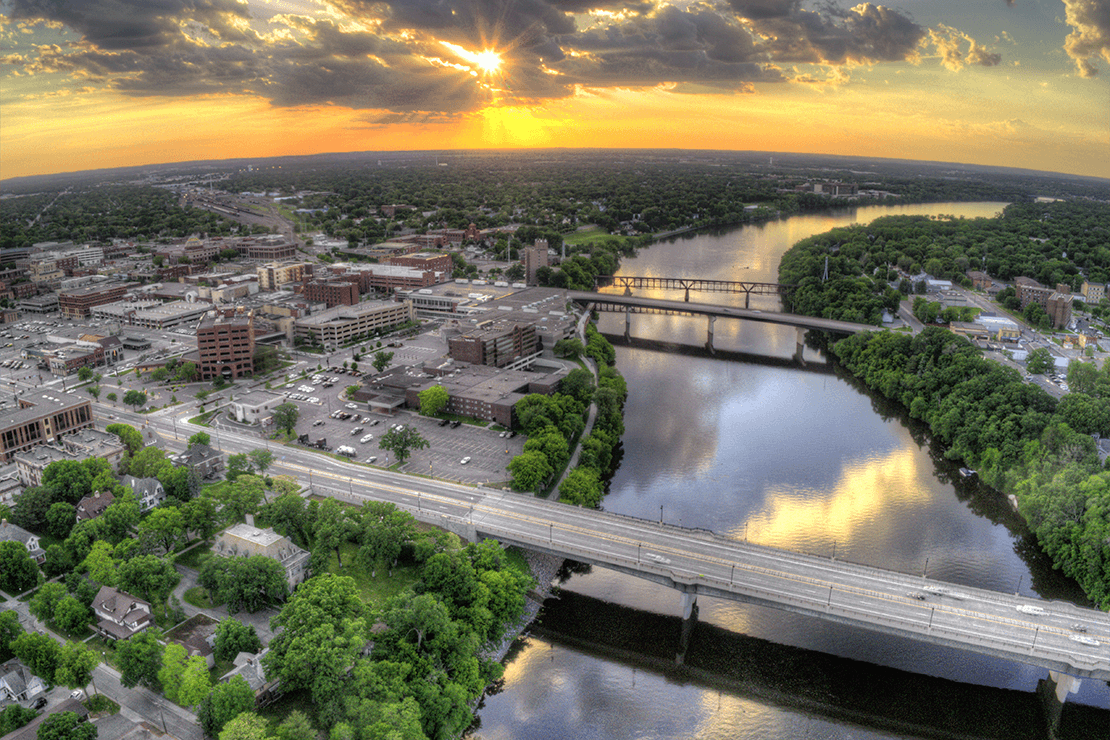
(628, 305)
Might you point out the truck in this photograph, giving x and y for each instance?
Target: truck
(345, 450)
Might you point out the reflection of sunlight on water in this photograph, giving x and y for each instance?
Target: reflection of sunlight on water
(794, 518)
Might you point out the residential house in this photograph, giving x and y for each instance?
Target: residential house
(249, 666)
(90, 507)
(148, 491)
(119, 614)
(9, 531)
(201, 459)
(17, 683)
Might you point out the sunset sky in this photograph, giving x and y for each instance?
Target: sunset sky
(104, 83)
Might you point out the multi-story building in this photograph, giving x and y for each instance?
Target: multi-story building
(92, 442)
(149, 492)
(338, 326)
(77, 304)
(393, 277)
(269, 249)
(1093, 292)
(1056, 303)
(246, 540)
(202, 460)
(42, 417)
(496, 343)
(979, 279)
(119, 614)
(425, 261)
(226, 346)
(276, 274)
(13, 533)
(90, 507)
(332, 292)
(32, 463)
(165, 315)
(535, 257)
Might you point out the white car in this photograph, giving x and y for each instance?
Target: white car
(314, 400)
(351, 406)
(464, 461)
(367, 438)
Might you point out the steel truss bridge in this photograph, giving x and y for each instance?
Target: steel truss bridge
(628, 282)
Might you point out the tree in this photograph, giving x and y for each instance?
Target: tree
(381, 360)
(75, 665)
(101, 563)
(402, 442)
(84, 374)
(18, 571)
(246, 726)
(201, 517)
(174, 660)
(71, 615)
(224, 703)
(188, 372)
(112, 397)
(148, 462)
(135, 398)
(72, 480)
(285, 416)
(164, 527)
(32, 506)
(94, 391)
(245, 584)
(571, 348)
(149, 577)
(200, 438)
(433, 400)
(261, 459)
(243, 495)
(46, 599)
(60, 518)
(66, 726)
(13, 717)
(131, 438)
(296, 727)
(581, 487)
(195, 682)
(234, 637)
(1039, 361)
(530, 470)
(579, 385)
(10, 629)
(139, 660)
(39, 652)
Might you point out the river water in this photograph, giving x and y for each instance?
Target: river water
(751, 446)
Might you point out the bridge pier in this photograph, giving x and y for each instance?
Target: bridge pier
(709, 339)
(689, 620)
(627, 324)
(799, 349)
(687, 294)
(628, 290)
(1054, 692)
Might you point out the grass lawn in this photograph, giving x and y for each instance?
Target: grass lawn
(589, 236)
(375, 590)
(106, 649)
(283, 707)
(198, 597)
(193, 558)
(98, 703)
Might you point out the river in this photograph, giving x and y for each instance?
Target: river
(791, 456)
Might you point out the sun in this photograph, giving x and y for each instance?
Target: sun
(488, 61)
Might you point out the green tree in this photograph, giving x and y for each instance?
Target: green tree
(571, 348)
(261, 459)
(72, 480)
(149, 577)
(201, 517)
(174, 660)
(238, 464)
(224, 703)
(39, 652)
(187, 373)
(71, 615)
(296, 727)
(32, 506)
(76, 664)
(246, 726)
(164, 527)
(60, 518)
(10, 629)
(402, 442)
(148, 462)
(234, 637)
(112, 397)
(195, 682)
(131, 438)
(581, 487)
(381, 360)
(66, 726)
(285, 416)
(101, 563)
(14, 716)
(84, 374)
(243, 496)
(200, 438)
(530, 470)
(18, 571)
(135, 398)
(245, 584)
(139, 660)
(46, 599)
(433, 400)
(1039, 361)
(94, 391)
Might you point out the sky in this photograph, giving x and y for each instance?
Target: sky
(87, 84)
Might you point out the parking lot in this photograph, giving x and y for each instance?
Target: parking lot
(488, 451)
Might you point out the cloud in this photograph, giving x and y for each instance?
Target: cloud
(388, 55)
(1090, 38)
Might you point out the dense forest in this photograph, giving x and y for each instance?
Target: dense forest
(1019, 438)
(103, 213)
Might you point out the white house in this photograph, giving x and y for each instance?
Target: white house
(17, 683)
(9, 531)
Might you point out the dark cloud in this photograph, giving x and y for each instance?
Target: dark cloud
(387, 55)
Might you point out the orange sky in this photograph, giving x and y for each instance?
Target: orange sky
(106, 83)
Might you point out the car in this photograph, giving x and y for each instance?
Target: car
(512, 434)
(366, 438)
(375, 422)
(356, 430)
(318, 422)
(372, 459)
(464, 461)
(39, 703)
(502, 434)
(444, 422)
(77, 695)
(455, 424)
(351, 406)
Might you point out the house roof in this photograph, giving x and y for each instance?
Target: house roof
(120, 608)
(93, 506)
(15, 533)
(143, 487)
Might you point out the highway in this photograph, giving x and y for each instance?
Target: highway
(1053, 635)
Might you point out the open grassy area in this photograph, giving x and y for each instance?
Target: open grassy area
(98, 703)
(194, 557)
(375, 590)
(588, 236)
(198, 597)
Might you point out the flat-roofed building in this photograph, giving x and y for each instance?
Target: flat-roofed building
(276, 274)
(255, 406)
(42, 417)
(33, 462)
(393, 277)
(979, 280)
(332, 292)
(165, 315)
(483, 392)
(535, 257)
(246, 540)
(425, 261)
(226, 346)
(93, 442)
(41, 304)
(337, 326)
(78, 304)
(496, 343)
(1093, 292)
(267, 249)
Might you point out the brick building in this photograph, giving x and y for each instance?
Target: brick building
(1056, 302)
(498, 343)
(42, 417)
(77, 304)
(535, 257)
(226, 346)
(425, 261)
(332, 292)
